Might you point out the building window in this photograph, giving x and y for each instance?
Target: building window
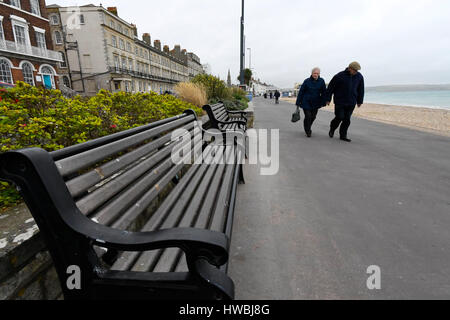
(5, 71)
(19, 33)
(63, 64)
(114, 41)
(128, 47)
(40, 40)
(54, 20)
(66, 81)
(35, 7)
(122, 44)
(2, 35)
(120, 28)
(58, 37)
(82, 21)
(27, 70)
(112, 24)
(124, 63)
(127, 33)
(116, 62)
(15, 3)
(130, 64)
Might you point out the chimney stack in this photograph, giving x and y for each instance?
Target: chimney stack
(113, 10)
(135, 31)
(157, 45)
(166, 49)
(177, 51)
(147, 39)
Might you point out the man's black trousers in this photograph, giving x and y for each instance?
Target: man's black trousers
(343, 115)
(310, 116)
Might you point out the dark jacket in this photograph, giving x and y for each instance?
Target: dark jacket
(312, 94)
(348, 90)
(277, 94)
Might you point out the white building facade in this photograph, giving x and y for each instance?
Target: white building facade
(106, 53)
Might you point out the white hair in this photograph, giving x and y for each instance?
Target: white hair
(315, 69)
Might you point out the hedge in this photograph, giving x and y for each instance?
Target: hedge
(36, 117)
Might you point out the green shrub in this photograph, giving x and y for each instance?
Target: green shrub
(215, 88)
(36, 117)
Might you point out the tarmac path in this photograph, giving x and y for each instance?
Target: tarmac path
(335, 208)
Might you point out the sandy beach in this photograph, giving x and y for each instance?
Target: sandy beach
(435, 121)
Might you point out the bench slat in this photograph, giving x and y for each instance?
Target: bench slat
(83, 160)
(127, 259)
(172, 208)
(82, 183)
(207, 210)
(141, 204)
(217, 222)
(168, 258)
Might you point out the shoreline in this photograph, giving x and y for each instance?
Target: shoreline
(431, 120)
(409, 105)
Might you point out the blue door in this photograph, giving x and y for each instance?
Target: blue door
(48, 81)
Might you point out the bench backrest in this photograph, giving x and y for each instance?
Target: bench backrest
(103, 179)
(219, 110)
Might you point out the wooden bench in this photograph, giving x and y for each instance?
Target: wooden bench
(127, 218)
(223, 120)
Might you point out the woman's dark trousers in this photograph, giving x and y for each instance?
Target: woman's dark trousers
(343, 115)
(310, 116)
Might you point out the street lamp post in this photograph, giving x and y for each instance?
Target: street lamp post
(242, 53)
(250, 58)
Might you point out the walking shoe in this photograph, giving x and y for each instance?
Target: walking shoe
(346, 140)
(308, 134)
(331, 133)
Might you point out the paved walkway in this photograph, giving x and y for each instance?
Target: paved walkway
(334, 208)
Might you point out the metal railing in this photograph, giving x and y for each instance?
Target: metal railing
(11, 46)
(142, 75)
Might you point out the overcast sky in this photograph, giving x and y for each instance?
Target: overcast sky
(395, 41)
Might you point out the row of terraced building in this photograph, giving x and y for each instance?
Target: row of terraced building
(84, 49)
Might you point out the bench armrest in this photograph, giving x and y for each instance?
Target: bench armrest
(196, 243)
(241, 112)
(240, 122)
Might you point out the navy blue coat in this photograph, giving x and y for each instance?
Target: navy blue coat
(312, 94)
(348, 90)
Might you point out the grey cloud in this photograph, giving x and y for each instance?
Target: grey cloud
(396, 41)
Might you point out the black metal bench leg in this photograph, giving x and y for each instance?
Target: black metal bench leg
(214, 280)
(241, 174)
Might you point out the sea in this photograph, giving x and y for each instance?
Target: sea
(437, 99)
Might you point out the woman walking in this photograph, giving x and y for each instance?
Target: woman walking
(311, 98)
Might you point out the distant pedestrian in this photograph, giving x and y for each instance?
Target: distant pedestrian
(265, 95)
(271, 95)
(311, 98)
(277, 96)
(348, 90)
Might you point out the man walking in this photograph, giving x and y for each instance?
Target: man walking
(277, 96)
(348, 90)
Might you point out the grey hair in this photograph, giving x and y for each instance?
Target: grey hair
(316, 68)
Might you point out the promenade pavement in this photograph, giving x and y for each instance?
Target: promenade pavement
(336, 208)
